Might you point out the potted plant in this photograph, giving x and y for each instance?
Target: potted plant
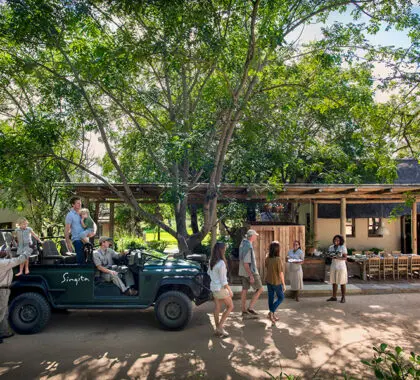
(311, 244)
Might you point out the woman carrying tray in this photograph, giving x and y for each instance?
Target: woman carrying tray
(295, 257)
(338, 273)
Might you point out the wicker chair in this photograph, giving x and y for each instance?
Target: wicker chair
(388, 266)
(374, 267)
(402, 266)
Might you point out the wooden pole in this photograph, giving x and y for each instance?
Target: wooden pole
(414, 227)
(111, 219)
(97, 206)
(343, 218)
(315, 223)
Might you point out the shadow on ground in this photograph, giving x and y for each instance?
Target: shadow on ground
(313, 338)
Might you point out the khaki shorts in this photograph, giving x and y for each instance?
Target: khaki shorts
(246, 284)
(221, 294)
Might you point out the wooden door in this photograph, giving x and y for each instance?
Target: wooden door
(261, 246)
(285, 235)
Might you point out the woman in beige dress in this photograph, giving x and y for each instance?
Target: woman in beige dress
(338, 271)
(295, 269)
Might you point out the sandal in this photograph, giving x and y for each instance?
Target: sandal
(343, 300)
(332, 299)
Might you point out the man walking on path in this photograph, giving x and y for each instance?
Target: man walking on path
(6, 276)
(249, 273)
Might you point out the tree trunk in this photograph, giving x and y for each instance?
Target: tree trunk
(194, 220)
(181, 226)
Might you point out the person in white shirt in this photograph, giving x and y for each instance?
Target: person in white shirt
(338, 272)
(222, 293)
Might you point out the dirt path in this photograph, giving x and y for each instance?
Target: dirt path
(312, 336)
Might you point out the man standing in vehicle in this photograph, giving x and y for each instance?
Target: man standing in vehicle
(249, 273)
(103, 260)
(6, 276)
(74, 226)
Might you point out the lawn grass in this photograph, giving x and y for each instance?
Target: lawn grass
(165, 236)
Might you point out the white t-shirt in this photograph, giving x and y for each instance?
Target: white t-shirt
(218, 276)
(338, 264)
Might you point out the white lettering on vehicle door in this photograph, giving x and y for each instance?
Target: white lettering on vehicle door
(75, 279)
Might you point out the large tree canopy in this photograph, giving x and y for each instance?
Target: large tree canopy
(177, 89)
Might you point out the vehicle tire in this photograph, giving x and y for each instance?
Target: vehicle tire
(29, 313)
(173, 310)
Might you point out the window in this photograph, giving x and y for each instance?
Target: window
(375, 227)
(350, 227)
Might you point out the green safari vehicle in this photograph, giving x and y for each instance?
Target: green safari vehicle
(168, 284)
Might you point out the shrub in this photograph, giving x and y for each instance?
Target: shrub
(375, 250)
(157, 245)
(203, 249)
(129, 242)
(388, 364)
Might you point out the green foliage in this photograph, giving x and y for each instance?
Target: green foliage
(190, 91)
(375, 250)
(129, 242)
(400, 209)
(157, 245)
(282, 376)
(393, 364)
(233, 213)
(203, 249)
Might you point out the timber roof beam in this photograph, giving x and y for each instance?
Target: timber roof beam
(149, 193)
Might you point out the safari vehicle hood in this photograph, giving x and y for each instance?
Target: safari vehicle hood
(172, 265)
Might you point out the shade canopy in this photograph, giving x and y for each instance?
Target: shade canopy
(329, 193)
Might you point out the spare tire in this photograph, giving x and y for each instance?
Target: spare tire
(29, 313)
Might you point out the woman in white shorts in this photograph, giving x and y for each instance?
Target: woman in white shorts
(222, 294)
(338, 272)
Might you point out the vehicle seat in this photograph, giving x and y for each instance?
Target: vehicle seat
(52, 256)
(2, 241)
(10, 243)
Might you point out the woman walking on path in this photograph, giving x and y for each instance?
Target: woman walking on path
(296, 257)
(338, 273)
(274, 279)
(222, 294)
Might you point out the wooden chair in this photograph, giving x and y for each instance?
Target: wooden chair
(374, 267)
(402, 266)
(388, 266)
(415, 266)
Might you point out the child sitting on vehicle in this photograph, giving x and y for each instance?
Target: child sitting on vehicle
(88, 224)
(24, 239)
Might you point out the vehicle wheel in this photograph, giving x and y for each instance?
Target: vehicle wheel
(173, 310)
(29, 313)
